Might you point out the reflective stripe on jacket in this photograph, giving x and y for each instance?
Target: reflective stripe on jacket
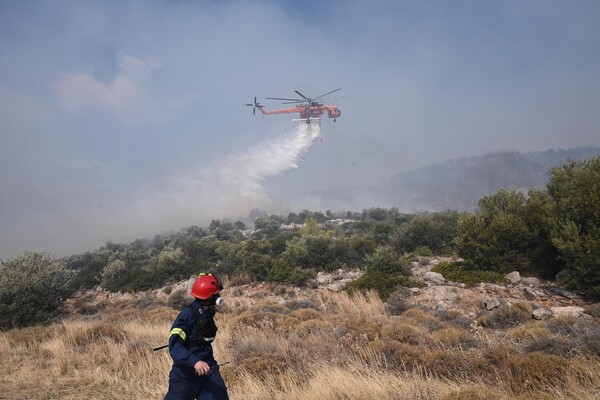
(182, 337)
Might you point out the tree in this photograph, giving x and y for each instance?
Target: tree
(251, 256)
(288, 274)
(574, 190)
(89, 266)
(117, 275)
(171, 266)
(437, 231)
(386, 260)
(33, 286)
(543, 253)
(498, 237)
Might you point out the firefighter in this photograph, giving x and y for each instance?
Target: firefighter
(195, 373)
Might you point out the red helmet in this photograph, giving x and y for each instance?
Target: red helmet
(205, 287)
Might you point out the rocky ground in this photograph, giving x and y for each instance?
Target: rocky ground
(435, 293)
(545, 298)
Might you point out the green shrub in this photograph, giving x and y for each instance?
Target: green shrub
(574, 189)
(457, 272)
(498, 236)
(288, 274)
(386, 260)
(435, 231)
(383, 283)
(423, 251)
(33, 286)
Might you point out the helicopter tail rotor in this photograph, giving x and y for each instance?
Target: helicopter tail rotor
(254, 105)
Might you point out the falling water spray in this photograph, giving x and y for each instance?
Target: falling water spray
(230, 189)
(246, 172)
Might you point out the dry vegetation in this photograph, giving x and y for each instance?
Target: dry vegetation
(329, 347)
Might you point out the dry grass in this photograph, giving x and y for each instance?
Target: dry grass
(340, 347)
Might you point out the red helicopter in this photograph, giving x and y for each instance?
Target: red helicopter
(309, 108)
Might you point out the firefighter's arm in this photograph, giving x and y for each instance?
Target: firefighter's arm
(177, 337)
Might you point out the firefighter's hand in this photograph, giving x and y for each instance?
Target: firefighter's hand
(202, 368)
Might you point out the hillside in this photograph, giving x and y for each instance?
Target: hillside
(455, 184)
(439, 341)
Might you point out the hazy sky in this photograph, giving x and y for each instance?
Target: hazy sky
(122, 119)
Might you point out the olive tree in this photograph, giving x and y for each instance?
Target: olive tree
(497, 238)
(33, 286)
(574, 189)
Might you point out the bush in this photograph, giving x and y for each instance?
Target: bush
(457, 272)
(508, 316)
(540, 371)
(33, 286)
(574, 189)
(383, 283)
(398, 330)
(435, 231)
(498, 236)
(386, 260)
(397, 303)
(290, 275)
(475, 393)
(423, 251)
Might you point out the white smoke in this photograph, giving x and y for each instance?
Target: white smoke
(229, 189)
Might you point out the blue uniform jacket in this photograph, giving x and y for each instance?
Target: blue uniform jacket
(184, 333)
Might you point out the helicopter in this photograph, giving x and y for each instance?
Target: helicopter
(309, 108)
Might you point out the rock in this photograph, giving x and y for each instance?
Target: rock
(434, 277)
(323, 278)
(531, 294)
(414, 264)
(568, 311)
(530, 281)
(415, 290)
(337, 286)
(417, 273)
(434, 262)
(541, 313)
(442, 293)
(514, 277)
(491, 302)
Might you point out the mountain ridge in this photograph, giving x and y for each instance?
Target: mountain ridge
(455, 184)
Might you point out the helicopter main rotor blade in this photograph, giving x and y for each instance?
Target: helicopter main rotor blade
(294, 102)
(333, 91)
(301, 95)
(281, 98)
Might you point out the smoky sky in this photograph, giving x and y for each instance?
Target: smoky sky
(108, 108)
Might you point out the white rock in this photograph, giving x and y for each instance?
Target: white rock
(514, 277)
(541, 313)
(434, 277)
(338, 286)
(434, 262)
(442, 293)
(491, 303)
(323, 278)
(530, 281)
(569, 311)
